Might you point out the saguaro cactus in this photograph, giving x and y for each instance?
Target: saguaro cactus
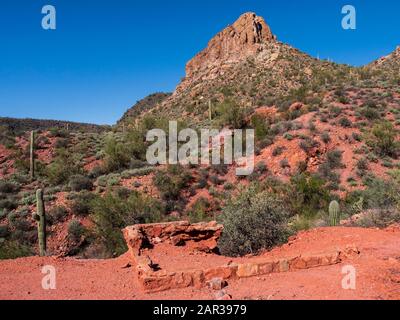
(40, 217)
(334, 213)
(32, 155)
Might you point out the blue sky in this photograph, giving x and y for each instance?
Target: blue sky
(105, 55)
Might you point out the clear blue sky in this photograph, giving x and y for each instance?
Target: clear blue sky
(105, 55)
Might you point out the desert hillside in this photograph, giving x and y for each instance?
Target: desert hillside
(326, 166)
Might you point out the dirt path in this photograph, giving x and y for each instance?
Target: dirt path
(377, 267)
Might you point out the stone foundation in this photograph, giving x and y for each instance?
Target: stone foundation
(140, 237)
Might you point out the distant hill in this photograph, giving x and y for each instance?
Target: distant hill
(17, 126)
(143, 106)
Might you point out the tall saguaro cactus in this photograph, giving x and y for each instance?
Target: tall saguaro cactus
(32, 155)
(40, 217)
(334, 213)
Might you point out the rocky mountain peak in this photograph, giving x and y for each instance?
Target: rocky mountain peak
(236, 42)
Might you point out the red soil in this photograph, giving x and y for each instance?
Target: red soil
(377, 267)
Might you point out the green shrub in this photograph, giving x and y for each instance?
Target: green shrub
(384, 139)
(230, 114)
(345, 122)
(114, 211)
(81, 204)
(4, 232)
(362, 164)
(260, 127)
(307, 195)
(75, 230)
(381, 194)
(252, 222)
(14, 250)
(57, 214)
(117, 155)
(325, 137)
(8, 204)
(8, 187)
(62, 168)
(78, 183)
(172, 182)
(334, 159)
(308, 144)
(278, 151)
(199, 211)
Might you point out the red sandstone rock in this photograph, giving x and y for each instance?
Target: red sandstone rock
(235, 43)
(217, 284)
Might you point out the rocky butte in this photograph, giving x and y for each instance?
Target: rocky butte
(235, 43)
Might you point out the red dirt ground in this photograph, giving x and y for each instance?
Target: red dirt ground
(378, 273)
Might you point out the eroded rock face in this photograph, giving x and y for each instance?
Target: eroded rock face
(236, 42)
(176, 233)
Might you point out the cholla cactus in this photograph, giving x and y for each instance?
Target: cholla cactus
(334, 213)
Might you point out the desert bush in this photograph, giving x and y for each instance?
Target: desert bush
(21, 224)
(96, 172)
(62, 168)
(252, 222)
(4, 231)
(260, 127)
(8, 204)
(308, 144)
(199, 211)
(8, 187)
(216, 180)
(172, 182)
(58, 133)
(57, 214)
(112, 179)
(75, 230)
(378, 218)
(278, 151)
(384, 139)
(117, 155)
(334, 159)
(334, 111)
(61, 143)
(382, 194)
(14, 250)
(307, 195)
(370, 113)
(230, 114)
(79, 182)
(139, 172)
(325, 137)
(81, 204)
(362, 165)
(113, 212)
(284, 163)
(345, 122)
